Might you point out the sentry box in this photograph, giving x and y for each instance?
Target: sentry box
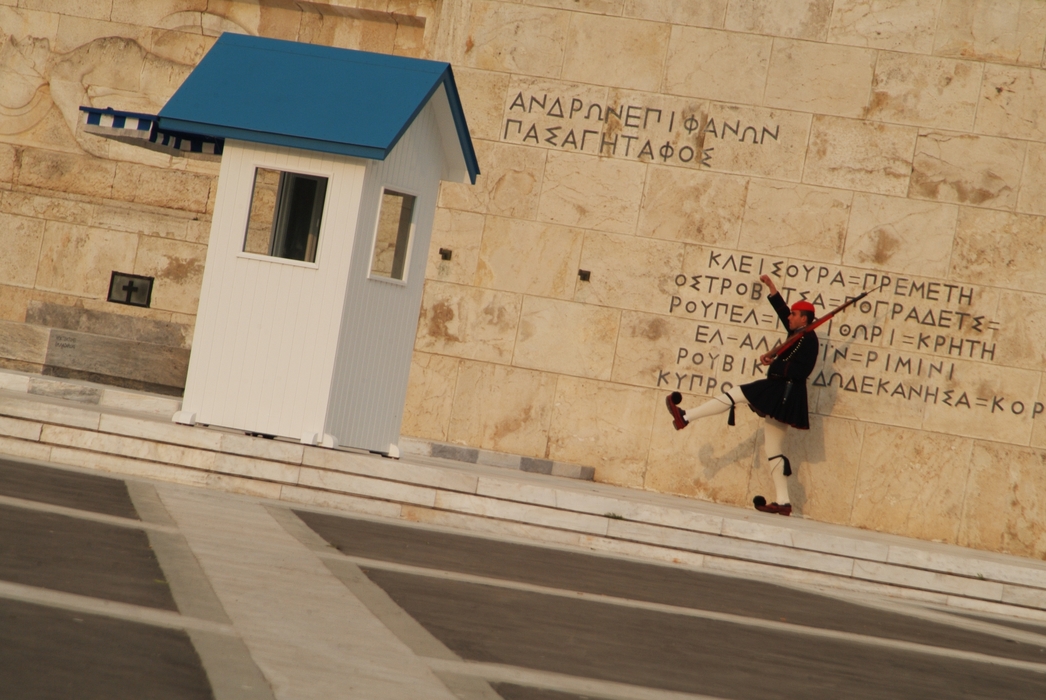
(331, 162)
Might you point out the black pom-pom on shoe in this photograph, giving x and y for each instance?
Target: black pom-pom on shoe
(759, 501)
(672, 401)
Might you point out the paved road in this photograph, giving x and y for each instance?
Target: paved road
(127, 589)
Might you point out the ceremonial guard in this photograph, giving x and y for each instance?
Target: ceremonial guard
(780, 398)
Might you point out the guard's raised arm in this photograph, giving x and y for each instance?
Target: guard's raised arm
(765, 279)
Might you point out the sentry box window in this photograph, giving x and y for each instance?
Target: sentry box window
(392, 241)
(284, 221)
(130, 289)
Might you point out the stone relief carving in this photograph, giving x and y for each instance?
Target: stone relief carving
(137, 68)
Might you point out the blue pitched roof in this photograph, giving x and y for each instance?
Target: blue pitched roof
(319, 98)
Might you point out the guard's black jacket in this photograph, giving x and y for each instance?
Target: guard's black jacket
(782, 395)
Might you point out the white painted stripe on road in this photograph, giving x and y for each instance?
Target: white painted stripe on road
(908, 609)
(772, 625)
(449, 665)
(225, 658)
(604, 690)
(108, 608)
(307, 632)
(25, 504)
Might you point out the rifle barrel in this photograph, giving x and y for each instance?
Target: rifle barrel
(791, 341)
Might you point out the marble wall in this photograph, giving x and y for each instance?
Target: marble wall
(75, 207)
(674, 151)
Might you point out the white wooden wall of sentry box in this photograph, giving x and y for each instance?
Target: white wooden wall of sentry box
(317, 351)
(316, 261)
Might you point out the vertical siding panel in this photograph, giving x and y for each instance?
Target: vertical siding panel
(255, 370)
(279, 345)
(241, 285)
(207, 320)
(270, 333)
(264, 346)
(222, 283)
(237, 352)
(281, 396)
(380, 319)
(324, 333)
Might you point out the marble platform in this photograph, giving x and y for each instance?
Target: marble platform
(130, 433)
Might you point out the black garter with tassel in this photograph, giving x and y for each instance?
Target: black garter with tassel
(787, 467)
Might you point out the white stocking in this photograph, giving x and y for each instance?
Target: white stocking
(773, 441)
(716, 405)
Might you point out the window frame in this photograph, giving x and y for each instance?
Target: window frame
(410, 237)
(324, 221)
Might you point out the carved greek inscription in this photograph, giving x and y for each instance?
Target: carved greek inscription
(679, 135)
(63, 342)
(911, 340)
(900, 312)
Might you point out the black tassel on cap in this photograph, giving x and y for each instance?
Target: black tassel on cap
(730, 418)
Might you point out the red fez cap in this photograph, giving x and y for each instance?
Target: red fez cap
(803, 306)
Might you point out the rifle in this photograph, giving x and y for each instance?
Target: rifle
(795, 338)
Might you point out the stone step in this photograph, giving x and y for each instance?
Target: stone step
(490, 458)
(89, 393)
(493, 500)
